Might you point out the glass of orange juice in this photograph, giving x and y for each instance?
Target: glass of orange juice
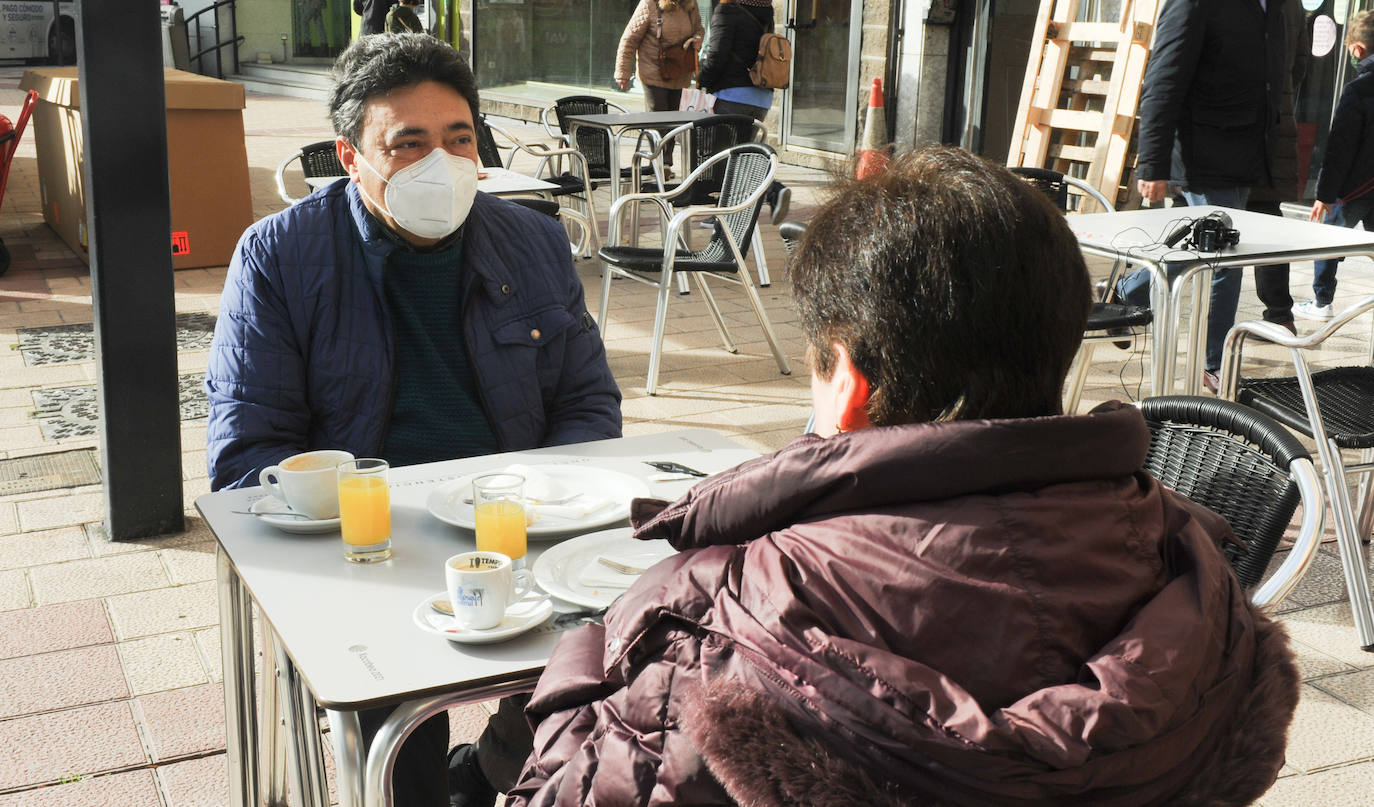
(365, 510)
(499, 506)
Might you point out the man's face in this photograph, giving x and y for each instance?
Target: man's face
(400, 128)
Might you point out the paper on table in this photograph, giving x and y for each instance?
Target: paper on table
(568, 503)
(595, 575)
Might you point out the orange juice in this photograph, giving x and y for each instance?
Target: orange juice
(501, 528)
(364, 510)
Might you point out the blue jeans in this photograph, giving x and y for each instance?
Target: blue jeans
(1346, 214)
(1135, 287)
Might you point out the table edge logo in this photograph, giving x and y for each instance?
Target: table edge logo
(361, 651)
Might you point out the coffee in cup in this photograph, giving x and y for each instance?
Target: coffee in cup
(481, 586)
(308, 483)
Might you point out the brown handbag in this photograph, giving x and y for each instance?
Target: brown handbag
(675, 61)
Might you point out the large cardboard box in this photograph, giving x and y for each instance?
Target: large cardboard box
(207, 161)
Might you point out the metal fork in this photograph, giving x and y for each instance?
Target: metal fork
(623, 568)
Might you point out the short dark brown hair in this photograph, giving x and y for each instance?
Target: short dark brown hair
(957, 288)
(1359, 30)
(376, 64)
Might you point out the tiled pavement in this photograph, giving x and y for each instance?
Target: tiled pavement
(109, 652)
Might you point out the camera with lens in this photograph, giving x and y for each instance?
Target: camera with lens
(1213, 232)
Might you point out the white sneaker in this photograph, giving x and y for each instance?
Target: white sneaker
(1310, 310)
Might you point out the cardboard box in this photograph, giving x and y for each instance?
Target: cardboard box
(207, 161)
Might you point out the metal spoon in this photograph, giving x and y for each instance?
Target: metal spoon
(273, 515)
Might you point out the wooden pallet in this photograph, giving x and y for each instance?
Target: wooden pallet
(1082, 88)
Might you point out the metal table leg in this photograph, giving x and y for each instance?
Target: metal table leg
(240, 712)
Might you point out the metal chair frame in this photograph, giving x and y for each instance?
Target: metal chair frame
(1105, 315)
(651, 148)
(678, 221)
(1184, 434)
(317, 160)
(1310, 421)
(585, 214)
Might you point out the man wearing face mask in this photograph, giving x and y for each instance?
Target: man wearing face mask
(401, 314)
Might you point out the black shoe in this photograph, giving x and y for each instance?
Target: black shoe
(467, 785)
(1109, 296)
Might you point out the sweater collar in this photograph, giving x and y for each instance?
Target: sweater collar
(815, 477)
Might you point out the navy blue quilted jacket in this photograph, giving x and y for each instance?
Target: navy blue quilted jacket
(303, 351)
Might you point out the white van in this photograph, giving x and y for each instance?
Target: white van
(28, 30)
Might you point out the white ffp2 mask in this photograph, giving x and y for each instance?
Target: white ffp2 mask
(432, 196)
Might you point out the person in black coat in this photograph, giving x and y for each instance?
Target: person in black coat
(1209, 113)
(1345, 187)
(373, 13)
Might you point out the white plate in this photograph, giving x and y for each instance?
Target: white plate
(268, 505)
(525, 614)
(570, 572)
(446, 503)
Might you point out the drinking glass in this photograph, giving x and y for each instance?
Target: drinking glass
(365, 510)
(499, 511)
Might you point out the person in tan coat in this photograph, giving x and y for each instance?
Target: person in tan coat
(655, 26)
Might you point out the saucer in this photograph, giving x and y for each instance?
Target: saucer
(266, 508)
(530, 612)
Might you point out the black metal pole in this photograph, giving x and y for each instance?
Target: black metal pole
(128, 209)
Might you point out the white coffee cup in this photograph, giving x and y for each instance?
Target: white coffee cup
(481, 586)
(308, 483)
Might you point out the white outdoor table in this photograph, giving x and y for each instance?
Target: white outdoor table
(341, 635)
(616, 123)
(1135, 236)
(498, 182)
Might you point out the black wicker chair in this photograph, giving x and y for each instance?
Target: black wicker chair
(318, 160)
(1335, 408)
(572, 184)
(1247, 468)
(1108, 321)
(748, 171)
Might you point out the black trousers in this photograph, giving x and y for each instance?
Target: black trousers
(662, 99)
(1271, 281)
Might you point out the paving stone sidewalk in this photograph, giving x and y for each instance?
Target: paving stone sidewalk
(109, 652)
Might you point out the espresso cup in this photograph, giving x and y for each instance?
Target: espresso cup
(481, 586)
(308, 483)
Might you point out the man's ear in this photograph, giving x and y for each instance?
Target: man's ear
(348, 157)
(852, 393)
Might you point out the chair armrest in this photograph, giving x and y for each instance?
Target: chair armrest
(1277, 586)
(281, 177)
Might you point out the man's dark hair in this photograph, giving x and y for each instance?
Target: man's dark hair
(957, 288)
(376, 64)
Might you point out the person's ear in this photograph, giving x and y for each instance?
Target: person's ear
(1359, 51)
(851, 393)
(348, 157)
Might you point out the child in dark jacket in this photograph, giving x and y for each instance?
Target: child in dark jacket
(1345, 190)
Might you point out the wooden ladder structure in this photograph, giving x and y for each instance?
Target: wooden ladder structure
(1082, 88)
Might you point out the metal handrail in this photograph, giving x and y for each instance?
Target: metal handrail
(233, 40)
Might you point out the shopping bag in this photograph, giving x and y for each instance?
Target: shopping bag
(698, 100)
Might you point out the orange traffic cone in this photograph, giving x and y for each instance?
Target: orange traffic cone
(873, 154)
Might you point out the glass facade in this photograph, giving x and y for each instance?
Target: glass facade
(320, 27)
(570, 42)
(1316, 98)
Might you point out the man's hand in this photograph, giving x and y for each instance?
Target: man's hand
(623, 83)
(1152, 190)
(1320, 210)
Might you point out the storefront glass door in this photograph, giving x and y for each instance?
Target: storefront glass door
(818, 110)
(320, 27)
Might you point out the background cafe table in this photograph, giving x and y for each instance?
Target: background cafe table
(1137, 236)
(616, 123)
(342, 634)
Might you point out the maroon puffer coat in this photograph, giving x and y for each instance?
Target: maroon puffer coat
(970, 613)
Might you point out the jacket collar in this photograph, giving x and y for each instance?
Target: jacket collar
(479, 240)
(813, 477)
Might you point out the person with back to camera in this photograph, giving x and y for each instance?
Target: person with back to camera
(736, 27)
(373, 13)
(1345, 187)
(402, 19)
(1209, 121)
(656, 27)
(952, 593)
